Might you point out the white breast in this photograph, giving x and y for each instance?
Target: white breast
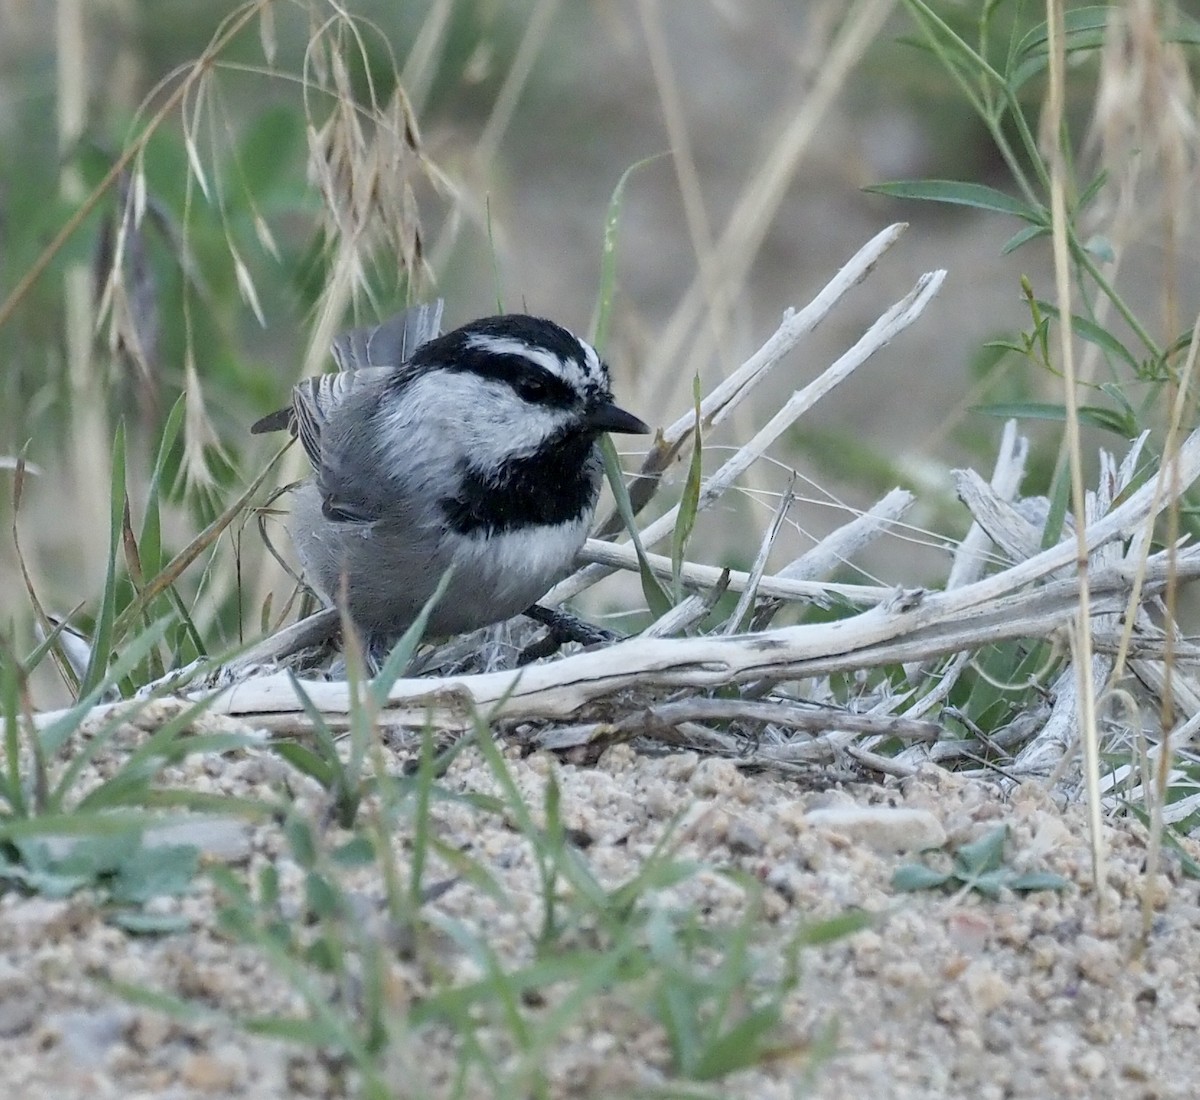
(513, 569)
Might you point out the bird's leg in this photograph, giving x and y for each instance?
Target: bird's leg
(562, 627)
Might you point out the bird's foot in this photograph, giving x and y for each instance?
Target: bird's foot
(562, 627)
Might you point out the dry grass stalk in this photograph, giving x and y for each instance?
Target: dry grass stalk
(797, 122)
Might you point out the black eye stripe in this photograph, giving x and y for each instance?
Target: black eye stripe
(519, 373)
(495, 348)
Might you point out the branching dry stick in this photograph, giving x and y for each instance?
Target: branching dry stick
(1054, 744)
(624, 556)
(968, 565)
(970, 558)
(919, 626)
(1121, 521)
(908, 627)
(740, 619)
(730, 393)
(649, 720)
(915, 626)
(894, 321)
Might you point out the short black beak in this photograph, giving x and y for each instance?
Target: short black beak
(609, 418)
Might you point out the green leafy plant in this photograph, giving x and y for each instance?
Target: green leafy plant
(120, 868)
(347, 781)
(978, 866)
(993, 71)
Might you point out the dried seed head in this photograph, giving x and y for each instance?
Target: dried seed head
(1145, 103)
(363, 159)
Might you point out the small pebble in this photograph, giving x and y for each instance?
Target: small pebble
(882, 828)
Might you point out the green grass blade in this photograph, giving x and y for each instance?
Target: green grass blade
(322, 734)
(656, 596)
(421, 822)
(55, 735)
(150, 540)
(167, 576)
(689, 503)
(608, 254)
(402, 652)
(12, 788)
(105, 634)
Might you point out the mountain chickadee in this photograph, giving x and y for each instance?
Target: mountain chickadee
(476, 449)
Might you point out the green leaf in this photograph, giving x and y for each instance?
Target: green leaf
(356, 852)
(651, 589)
(676, 1014)
(916, 876)
(656, 596)
(1101, 247)
(976, 195)
(301, 840)
(1083, 30)
(1093, 333)
(1092, 190)
(988, 883)
(176, 1008)
(322, 897)
(1060, 503)
(150, 872)
(1121, 423)
(1023, 236)
(55, 735)
(150, 540)
(304, 760)
(983, 855)
(738, 1047)
(1112, 420)
(13, 791)
(310, 1033)
(836, 928)
(140, 923)
(1023, 410)
(323, 736)
(268, 886)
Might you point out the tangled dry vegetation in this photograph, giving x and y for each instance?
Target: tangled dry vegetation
(872, 689)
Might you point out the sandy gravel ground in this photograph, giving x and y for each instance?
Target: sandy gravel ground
(942, 996)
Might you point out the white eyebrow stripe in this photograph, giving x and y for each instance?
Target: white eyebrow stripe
(506, 345)
(592, 367)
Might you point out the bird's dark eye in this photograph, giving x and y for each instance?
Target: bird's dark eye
(533, 389)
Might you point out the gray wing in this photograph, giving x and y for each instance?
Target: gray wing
(361, 350)
(316, 400)
(392, 343)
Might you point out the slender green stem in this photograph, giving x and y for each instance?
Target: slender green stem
(1127, 315)
(985, 108)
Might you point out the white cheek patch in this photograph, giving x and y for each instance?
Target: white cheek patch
(445, 416)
